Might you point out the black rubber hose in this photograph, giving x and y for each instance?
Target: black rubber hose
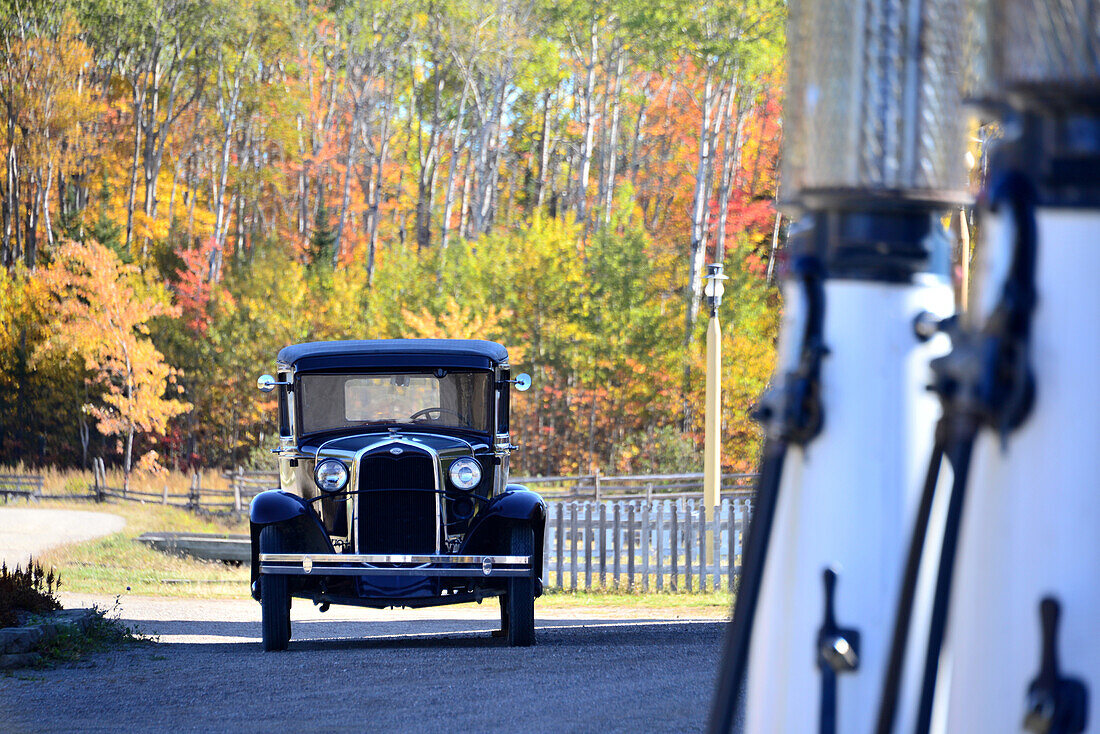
(958, 453)
(892, 686)
(827, 714)
(735, 649)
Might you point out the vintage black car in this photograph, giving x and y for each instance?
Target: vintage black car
(393, 472)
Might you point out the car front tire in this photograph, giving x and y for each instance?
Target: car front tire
(519, 603)
(274, 596)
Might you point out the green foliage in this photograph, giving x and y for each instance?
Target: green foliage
(105, 230)
(40, 399)
(105, 631)
(31, 590)
(663, 450)
(322, 239)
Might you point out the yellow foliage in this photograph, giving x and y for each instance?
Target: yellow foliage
(458, 322)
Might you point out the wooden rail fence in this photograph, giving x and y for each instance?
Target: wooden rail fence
(21, 485)
(645, 533)
(239, 489)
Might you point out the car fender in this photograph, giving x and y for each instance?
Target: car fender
(516, 505)
(276, 505)
(299, 523)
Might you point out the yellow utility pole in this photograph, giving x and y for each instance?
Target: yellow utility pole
(712, 422)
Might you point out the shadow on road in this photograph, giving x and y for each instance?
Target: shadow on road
(342, 634)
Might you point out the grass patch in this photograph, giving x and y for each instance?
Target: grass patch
(116, 564)
(708, 604)
(105, 632)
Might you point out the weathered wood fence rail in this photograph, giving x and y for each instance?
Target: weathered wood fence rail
(21, 485)
(665, 545)
(242, 487)
(597, 487)
(239, 489)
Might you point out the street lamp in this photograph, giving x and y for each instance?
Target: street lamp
(712, 421)
(714, 288)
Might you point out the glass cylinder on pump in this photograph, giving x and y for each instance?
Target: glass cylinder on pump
(873, 159)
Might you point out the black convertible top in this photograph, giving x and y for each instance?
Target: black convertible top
(390, 351)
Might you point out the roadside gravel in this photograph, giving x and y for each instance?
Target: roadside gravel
(369, 670)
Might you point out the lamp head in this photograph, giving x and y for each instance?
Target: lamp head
(714, 288)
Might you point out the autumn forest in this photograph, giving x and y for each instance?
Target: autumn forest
(189, 186)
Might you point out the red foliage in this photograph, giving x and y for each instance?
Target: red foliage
(193, 289)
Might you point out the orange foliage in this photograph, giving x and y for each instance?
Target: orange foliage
(100, 314)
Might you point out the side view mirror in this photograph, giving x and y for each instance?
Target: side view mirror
(267, 383)
(523, 382)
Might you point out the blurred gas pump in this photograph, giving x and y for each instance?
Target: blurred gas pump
(1012, 570)
(873, 157)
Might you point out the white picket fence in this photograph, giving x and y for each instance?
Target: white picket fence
(664, 545)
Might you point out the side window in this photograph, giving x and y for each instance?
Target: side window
(284, 409)
(503, 397)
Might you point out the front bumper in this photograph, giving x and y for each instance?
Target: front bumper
(346, 564)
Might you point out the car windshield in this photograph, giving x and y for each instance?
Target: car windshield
(456, 399)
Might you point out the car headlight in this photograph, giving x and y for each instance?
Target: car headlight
(331, 475)
(465, 473)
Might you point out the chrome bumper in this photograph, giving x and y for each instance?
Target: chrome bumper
(347, 564)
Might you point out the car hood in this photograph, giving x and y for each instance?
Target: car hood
(346, 447)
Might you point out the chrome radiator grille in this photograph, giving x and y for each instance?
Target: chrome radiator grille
(393, 516)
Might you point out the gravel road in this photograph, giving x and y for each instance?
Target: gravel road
(367, 670)
(29, 531)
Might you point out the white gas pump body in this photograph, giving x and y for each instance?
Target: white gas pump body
(1031, 523)
(847, 501)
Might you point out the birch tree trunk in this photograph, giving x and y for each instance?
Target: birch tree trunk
(698, 245)
(544, 152)
(731, 164)
(303, 180)
(228, 102)
(485, 172)
(464, 206)
(44, 205)
(376, 198)
(429, 159)
(157, 129)
(452, 169)
(613, 136)
(30, 244)
(589, 93)
(345, 201)
(131, 193)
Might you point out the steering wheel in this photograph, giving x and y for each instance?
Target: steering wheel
(425, 414)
